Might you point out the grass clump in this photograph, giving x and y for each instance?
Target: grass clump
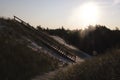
(19, 62)
(105, 67)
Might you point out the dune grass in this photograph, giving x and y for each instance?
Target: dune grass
(19, 62)
(105, 67)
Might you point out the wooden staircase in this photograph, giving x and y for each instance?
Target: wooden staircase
(48, 41)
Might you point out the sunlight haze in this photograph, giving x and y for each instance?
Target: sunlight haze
(71, 14)
(86, 14)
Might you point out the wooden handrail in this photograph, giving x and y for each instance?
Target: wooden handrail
(47, 39)
(20, 20)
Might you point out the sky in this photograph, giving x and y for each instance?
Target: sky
(57, 13)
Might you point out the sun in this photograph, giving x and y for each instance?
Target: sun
(89, 13)
(85, 14)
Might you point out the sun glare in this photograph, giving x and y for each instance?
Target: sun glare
(89, 13)
(86, 14)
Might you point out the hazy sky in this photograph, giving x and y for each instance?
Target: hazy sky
(57, 13)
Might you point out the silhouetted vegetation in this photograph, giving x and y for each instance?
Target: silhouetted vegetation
(105, 67)
(17, 60)
(94, 40)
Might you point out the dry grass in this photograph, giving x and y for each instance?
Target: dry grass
(105, 67)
